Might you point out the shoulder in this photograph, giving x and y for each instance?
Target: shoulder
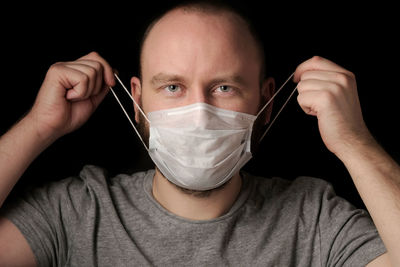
(92, 183)
(299, 187)
(313, 197)
(308, 195)
(95, 179)
(92, 175)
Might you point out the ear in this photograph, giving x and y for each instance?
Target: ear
(267, 91)
(136, 90)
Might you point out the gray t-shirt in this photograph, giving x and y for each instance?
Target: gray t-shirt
(94, 220)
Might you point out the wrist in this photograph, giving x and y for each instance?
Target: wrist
(358, 148)
(42, 137)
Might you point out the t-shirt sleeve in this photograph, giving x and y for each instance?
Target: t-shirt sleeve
(348, 235)
(45, 215)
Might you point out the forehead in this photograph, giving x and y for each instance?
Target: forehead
(182, 21)
(192, 36)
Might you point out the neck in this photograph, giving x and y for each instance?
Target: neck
(192, 206)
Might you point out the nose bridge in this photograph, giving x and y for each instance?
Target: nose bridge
(198, 93)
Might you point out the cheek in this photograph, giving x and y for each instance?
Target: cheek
(249, 104)
(149, 101)
(255, 103)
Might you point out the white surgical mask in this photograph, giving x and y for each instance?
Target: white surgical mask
(199, 146)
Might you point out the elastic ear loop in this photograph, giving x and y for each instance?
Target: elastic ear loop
(144, 115)
(126, 113)
(280, 110)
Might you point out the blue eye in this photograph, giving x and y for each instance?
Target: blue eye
(172, 88)
(224, 88)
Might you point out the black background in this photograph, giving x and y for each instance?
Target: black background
(362, 39)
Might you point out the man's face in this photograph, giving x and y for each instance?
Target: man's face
(194, 57)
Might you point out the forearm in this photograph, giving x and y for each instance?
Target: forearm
(377, 178)
(18, 148)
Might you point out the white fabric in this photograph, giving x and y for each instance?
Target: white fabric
(199, 146)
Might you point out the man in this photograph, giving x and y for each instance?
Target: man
(203, 56)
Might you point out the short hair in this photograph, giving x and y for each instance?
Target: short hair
(208, 7)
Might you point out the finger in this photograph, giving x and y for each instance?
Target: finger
(311, 101)
(337, 77)
(60, 78)
(99, 82)
(108, 73)
(91, 74)
(318, 63)
(79, 89)
(315, 85)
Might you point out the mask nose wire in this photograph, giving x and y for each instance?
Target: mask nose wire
(280, 110)
(126, 113)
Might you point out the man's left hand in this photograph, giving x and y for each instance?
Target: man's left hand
(329, 92)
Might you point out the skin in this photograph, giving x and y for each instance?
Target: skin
(70, 93)
(72, 90)
(179, 71)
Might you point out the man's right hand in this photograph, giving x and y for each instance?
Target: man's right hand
(70, 93)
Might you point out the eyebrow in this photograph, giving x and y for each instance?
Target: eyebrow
(236, 79)
(162, 78)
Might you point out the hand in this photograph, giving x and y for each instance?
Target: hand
(329, 92)
(70, 93)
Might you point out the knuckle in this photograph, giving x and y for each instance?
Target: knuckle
(335, 89)
(56, 67)
(351, 75)
(351, 78)
(343, 79)
(91, 55)
(98, 67)
(316, 59)
(94, 54)
(55, 70)
(300, 86)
